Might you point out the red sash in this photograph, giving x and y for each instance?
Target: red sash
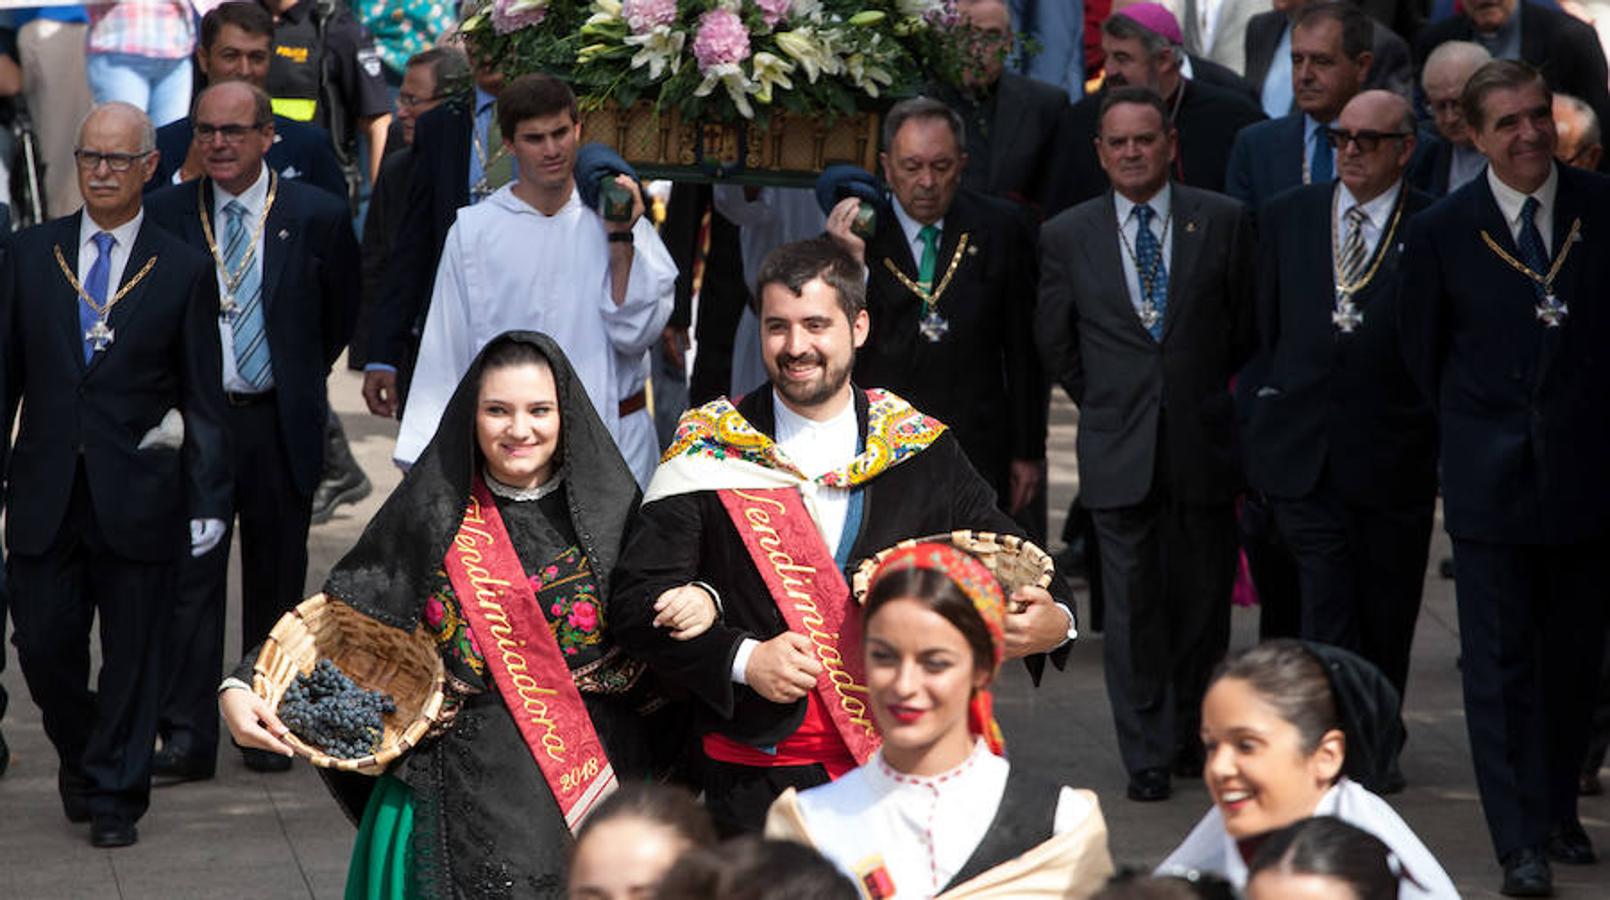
(527, 667)
(814, 599)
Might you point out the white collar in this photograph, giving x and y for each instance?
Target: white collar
(889, 777)
(793, 422)
(123, 234)
(504, 198)
(252, 198)
(1158, 202)
(1310, 125)
(1377, 210)
(519, 494)
(1510, 200)
(911, 226)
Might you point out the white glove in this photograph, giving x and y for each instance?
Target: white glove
(205, 535)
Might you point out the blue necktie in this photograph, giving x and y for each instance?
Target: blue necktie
(1530, 243)
(1149, 266)
(1320, 169)
(100, 272)
(251, 340)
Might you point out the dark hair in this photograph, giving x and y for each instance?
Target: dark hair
(249, 17)
(1500, 74)
(940, 595)
(667, 806)
(1358, 35)
(503, 352)
(1136, 94)
(922, 108)
(262, 106)
(449, 67)
(1138, 884)
(1293, 681)
(797, 264)
(1124, 28)
(533, 97)
(751, 868)
(1327, 846)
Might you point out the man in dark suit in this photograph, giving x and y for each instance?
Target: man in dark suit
(122, 442)
(950, 292)
(1452, 159)
(1269, 36)
(1564, 49)
(237, 44)
(1339, 438)
(1330, 61)
(1145, 314)
(1142, 47)
(1502, 327)
(459, 159)
(289, 284)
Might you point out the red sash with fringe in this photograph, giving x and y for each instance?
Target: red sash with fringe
(524, 659)
(811, 593)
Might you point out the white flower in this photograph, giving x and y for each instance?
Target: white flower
(806, 9)
(659, 49)
(916, 9)
(730, 76)
(812, 51)
(770, 70)
(605, 12)
(866, 74)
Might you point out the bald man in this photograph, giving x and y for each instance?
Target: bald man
(108, 330)
(1452, 159)
(1339, 438)
(1580, 140)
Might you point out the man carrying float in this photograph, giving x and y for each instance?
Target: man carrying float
(764, 505)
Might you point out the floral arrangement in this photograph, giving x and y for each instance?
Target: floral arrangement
(726, 60)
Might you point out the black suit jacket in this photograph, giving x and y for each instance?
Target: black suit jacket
(1522, 407)
(1024, 149)
(1565, 50)
(437, 188)
(1206, 71)
(300, 152)
(311, 289)
(1329, 401)
(1208, 120)
(1127, 385)
(690, 537)
(164, 356)
(982, 379)
(1391, 70)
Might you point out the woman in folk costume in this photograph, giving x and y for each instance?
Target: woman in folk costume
(1287, 727)
(938, 811)
(522, 484)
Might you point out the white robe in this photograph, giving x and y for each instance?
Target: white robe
(1209, 848)
(924, 828)
(506, 266)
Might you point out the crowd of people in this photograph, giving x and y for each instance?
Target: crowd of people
(1297, 289)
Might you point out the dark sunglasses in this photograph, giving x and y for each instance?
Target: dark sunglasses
(1367, 140)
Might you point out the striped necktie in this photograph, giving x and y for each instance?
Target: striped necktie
(251, 335)
(1353, 255)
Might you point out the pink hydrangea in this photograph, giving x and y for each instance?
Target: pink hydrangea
(721, 40)
(434, 612)
(643, 16)
(584, 616)
(513, 15)
(773, 11)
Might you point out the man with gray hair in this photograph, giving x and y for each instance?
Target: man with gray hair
(1452, 159)
(1577, 125)
(119, 470)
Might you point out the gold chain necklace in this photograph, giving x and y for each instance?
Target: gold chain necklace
(98, 333)
(1550, 310)
(232, 280)
(1347, 316)
(1149, 315)
(933, 326)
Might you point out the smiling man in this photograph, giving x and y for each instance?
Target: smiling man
(534, 257)
(1502, 297)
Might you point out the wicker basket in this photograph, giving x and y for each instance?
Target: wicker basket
(1013, 561)
(375, 656)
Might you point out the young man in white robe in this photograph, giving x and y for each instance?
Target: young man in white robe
(532, 256)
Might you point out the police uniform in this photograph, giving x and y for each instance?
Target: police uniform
(348, 60)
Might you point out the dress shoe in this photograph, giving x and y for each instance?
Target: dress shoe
(112, 831)
(171, 764)
(1527, 874)
(348, 485)
(1569, 844)
(74, 800)
(1149, 785)
(264, 761)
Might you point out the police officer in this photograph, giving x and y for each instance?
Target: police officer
(326, 71)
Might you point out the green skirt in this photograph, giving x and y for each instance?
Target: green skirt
(380, 858)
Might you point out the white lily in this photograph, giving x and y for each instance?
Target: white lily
(916, 9)
(866, 74)
(605, 12)
(659, 49)
(812, 52)
(769, 70)
(730, 76)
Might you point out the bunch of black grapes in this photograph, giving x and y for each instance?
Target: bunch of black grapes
(326, 709)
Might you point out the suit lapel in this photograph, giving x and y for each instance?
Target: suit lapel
(890, 242)
(1187, 235)
(277, 238)
(1568, 286)
(66, 308)
(1006, 124)
(1107, 257)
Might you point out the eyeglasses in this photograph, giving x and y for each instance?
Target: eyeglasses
(230, 134)
(90, 160)
(1444, 106)
(406, 100)
(1367, 140)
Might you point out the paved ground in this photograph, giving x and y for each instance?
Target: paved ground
(244, 834)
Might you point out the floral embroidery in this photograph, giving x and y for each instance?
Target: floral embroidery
(568, 595)
(453, 635)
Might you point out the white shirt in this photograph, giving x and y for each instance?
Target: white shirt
(122, 244)
(506, 266)
(924, 829)
(253, 198)
(912, 229)
(1129, 227)
(1510, 202)
(1209, 848)
(1377, 213)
